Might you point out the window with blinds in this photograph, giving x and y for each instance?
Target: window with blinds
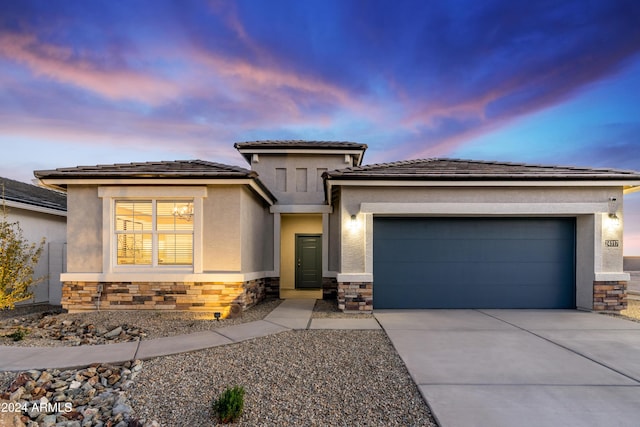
(154, 232)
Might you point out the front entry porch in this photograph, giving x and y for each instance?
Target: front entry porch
(301, 256)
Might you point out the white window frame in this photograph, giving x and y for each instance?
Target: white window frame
(109, 196)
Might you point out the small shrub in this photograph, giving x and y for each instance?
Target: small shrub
(18, 258)
(19, 334)
(229, 405)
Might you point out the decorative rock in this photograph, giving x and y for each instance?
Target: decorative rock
(34, 374)
(48, 421)
(89, 412)
(44, 377)
(72, 332)
(113, 333)
(20, 381)
(29, 386)
(38, 392)
(59, 385)
(76, 397)
(60, 397)
(16, 395)
(34, 412)
(113, 378)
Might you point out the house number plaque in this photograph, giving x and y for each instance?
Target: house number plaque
(612, 243)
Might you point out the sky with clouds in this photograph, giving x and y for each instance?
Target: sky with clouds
(88, 82)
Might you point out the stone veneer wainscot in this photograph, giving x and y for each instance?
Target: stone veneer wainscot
(610, 296)
(187, 296)
(355, 296)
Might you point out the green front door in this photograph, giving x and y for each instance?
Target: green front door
(308, 261)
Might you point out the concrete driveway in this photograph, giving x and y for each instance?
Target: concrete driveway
(521, 367)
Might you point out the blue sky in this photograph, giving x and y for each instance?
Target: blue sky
(87, 82)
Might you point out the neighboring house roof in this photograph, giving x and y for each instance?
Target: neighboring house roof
(186, 169)
(27, 194)
(470, 170)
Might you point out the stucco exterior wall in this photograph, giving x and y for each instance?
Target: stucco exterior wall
(35, 226)
(257, 234)
(233, 220)
(585, 260)
(84, 229)
(290, 226)
(335, 234)
(294, 166)
(222, 230)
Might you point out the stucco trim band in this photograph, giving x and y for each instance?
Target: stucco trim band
(612, 277)
(164, 277)
(484, 208)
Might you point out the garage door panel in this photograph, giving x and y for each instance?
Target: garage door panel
(459, 250)
(478, 274)
(474, 263)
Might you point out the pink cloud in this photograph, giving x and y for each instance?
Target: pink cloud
(631, 243)
(251, 79)
(246, 78)
(67, 66)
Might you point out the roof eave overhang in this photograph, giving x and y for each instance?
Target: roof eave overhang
(633, 188)
(34, 208)
(629, 186)
(358, 152)
(254, 183)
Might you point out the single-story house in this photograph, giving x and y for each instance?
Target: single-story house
(40, 213)
(308, 220)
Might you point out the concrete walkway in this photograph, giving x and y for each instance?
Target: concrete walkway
(289, 315)
(521, 367)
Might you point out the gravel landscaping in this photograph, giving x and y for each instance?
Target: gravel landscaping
(328, 309)
(295, 378)
(328, 378)
(51, 328)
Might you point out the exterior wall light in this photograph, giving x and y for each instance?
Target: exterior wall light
(353, 223)
(613, 220)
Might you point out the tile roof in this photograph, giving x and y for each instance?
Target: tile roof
(187, 169)
(458, 169)
(299, 144)
(173, 169)
(17, 191)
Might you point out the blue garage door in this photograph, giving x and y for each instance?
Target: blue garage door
(474, 263)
